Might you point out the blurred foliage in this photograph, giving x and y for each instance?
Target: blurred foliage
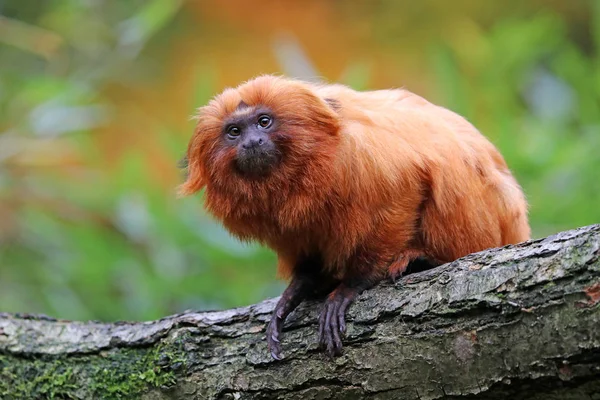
(95, 100)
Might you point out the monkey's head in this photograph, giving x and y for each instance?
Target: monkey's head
(267, 132)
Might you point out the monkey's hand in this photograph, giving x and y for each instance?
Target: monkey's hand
(332, 322)
(291, 297)
(274, 333)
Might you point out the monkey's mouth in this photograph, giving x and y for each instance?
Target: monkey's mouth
(256, 161)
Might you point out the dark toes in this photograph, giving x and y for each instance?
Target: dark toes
(322, 326)
(335, 330)
(275, 349)
(323, 331)
(341, 315)
(329, 329)
(273, 342)
(342, 324)
(276, 355)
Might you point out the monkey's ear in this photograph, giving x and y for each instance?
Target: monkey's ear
(195, 172)
(194, 177)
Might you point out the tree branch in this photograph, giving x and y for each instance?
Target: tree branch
(521, 322)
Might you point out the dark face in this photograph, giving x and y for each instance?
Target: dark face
(250, 131)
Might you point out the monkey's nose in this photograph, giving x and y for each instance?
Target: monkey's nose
(252, 142)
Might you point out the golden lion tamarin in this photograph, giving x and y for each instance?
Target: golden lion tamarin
(348, 187)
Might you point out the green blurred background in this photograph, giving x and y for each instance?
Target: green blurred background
(95, 105)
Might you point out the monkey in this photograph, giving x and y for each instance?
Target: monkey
(348, 187)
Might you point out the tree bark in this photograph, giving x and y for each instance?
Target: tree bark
(518, 322)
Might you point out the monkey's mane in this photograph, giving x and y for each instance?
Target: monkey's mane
(307, 137)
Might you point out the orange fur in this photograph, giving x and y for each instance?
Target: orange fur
(367, 180)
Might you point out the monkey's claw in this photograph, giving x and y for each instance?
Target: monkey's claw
(332, 323)
(273, 337)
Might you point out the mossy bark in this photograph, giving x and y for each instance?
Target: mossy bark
(520, 322)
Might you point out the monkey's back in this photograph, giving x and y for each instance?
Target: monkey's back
(429, 161)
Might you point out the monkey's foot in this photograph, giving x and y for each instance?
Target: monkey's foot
(332, 322)
(399, 266)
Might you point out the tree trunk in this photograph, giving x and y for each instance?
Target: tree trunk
(519, 322)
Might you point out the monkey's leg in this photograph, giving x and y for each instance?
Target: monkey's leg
(291, 297)
(307, 284)
(332, 321)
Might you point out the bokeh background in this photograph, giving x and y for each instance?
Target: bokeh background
(95, 104)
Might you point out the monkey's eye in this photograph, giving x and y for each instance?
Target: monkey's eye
(233, 131)
(264, 121)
